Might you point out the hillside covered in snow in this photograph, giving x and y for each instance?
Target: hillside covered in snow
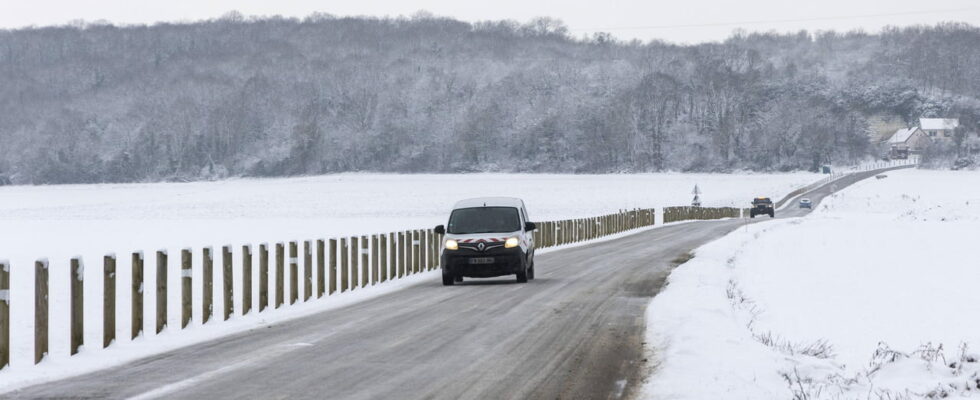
(274, 97)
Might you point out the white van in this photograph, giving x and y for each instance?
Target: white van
(487, 237)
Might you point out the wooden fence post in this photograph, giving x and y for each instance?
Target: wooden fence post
(411, 238)
(355, 248)
(415, 251)
(550, 233)
(420, 250)
(543, 227)
(564, 231)
(246, 279)
(307, 270)
(375, 263)
(423, 250)
(365, 266)
(430, 240)
(228, 283)
(332, 266)
(108, 300)
(344, 254)
(263, 276)
(401, 254)
(383, 255)
(136, 308)
(435, 250)
(280, 279)
(77, 279)
(207, 285)
(186, 276)
(161, 290)
(410, 251)
(293, 272)
(40, 310)
(320, 267)
(429, 253)
(392, 255)
(4, 314)
(541, 240)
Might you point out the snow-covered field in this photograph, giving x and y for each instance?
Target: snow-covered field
(873, 296)
(59, 222)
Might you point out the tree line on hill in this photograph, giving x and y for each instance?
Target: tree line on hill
(279, 96)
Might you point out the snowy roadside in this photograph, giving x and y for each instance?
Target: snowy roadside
(873, 296)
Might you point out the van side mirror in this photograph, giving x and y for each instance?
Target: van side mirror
(440, 229)
(530, 226)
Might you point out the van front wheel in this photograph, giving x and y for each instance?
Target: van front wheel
(522, 274)
(447, 279)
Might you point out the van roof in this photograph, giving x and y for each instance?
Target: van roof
(490, 202)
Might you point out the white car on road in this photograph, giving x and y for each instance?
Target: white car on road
(487, 237)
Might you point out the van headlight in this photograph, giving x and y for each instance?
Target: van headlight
(512, 242)
(451, 244)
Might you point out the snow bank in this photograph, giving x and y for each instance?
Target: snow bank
(872, 296)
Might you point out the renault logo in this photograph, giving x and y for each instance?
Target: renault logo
(480, 246)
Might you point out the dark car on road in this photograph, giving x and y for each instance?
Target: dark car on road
(762, 206)
(806, 203)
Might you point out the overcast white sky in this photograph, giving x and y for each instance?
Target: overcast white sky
(684, 21)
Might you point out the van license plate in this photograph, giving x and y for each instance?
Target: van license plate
(481, 260)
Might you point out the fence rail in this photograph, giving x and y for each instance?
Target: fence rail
(675, 214)
(362, 261)
(840, 174)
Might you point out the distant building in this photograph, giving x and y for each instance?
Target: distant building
(881, 126)
(907, 141)
(939, 128)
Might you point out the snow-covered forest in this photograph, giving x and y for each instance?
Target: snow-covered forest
(276, 96)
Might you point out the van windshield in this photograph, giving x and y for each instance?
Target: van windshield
(484, 220)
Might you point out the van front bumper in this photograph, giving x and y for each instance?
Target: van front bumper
(472, 263)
